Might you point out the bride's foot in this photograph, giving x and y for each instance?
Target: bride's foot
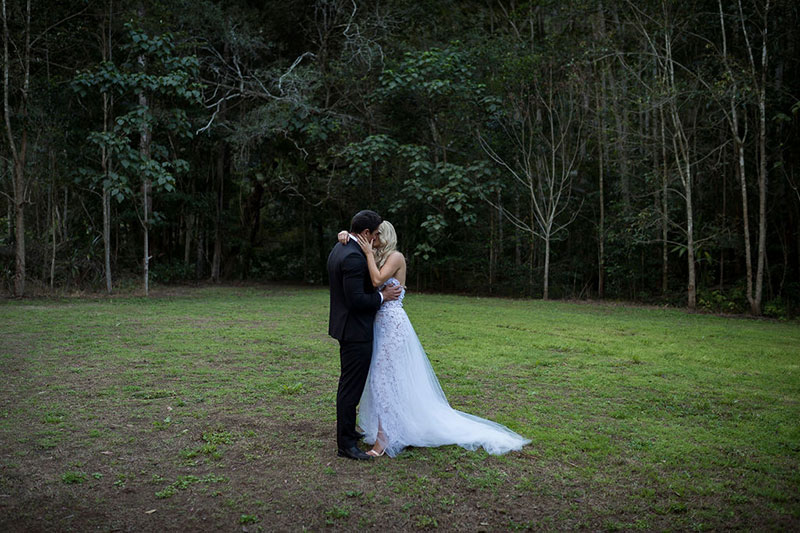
(379, 448)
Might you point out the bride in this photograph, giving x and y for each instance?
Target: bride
(403, 403)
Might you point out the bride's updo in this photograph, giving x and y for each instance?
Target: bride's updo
(388, 241)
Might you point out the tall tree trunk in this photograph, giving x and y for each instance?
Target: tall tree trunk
(190, 224)
(683, 161)
(755, 299)
(105, 157)
(601, 230)
(10, 217)
(53, 251)
(762, 171)
(18, 154)
(53, 228)
(144, 152)
(621, 117)
(198, 262)
(498, 248)
(622, 151)
(217, 258)
(49, 219)
(682, 156)
(500, 235)
(664, 207)
(517, 238)
(187, 243)
(546, 292)
(745, 213)
(19, 227)
(600, 35)
(64, 225)
(491, 250)
(531, 255)
(738, 145)
(797, 238)
(107, 238)
(724, 221)
(305, 233)
(692, 285)
(221, 168)
(108, 102)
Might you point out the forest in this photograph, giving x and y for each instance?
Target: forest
(627, 150)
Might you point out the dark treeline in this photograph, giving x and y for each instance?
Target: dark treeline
(641, 150)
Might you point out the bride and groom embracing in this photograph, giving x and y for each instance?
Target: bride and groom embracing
(383, 364)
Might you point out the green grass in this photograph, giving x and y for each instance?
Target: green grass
(640, 418)
(73, 477)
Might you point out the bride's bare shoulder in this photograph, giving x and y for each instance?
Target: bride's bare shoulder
(397, 256)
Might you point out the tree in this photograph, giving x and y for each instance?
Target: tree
(17, 103)
(674, 91)
(760, 82)
(435, 95)
(312, 109)
(18, 143)
(543, 126)
(153, 70)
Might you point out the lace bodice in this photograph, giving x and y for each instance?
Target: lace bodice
(399, 301)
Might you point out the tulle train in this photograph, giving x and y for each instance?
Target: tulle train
(403, 395)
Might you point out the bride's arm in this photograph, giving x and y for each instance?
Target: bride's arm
(389, 269)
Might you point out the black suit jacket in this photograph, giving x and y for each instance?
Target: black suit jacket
(354, 301)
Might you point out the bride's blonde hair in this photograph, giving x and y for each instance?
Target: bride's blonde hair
(389, 241)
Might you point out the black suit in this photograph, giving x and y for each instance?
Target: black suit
(354, 303)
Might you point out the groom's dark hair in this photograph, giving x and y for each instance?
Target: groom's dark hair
(365, 219)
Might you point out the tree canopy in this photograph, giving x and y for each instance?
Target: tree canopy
(582, 149)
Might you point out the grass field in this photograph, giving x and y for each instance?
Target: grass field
(213, 409)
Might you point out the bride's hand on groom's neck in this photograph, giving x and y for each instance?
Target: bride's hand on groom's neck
(366, 244)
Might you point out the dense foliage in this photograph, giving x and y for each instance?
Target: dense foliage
(589, 148)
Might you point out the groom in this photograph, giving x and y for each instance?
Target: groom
(354, 302)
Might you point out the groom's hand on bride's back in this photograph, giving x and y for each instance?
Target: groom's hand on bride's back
(391, 292)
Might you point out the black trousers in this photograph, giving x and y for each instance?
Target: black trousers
(355, 358)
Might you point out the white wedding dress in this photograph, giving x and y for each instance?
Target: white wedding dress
(404, 400)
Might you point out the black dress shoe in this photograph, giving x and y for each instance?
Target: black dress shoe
(353, 453)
